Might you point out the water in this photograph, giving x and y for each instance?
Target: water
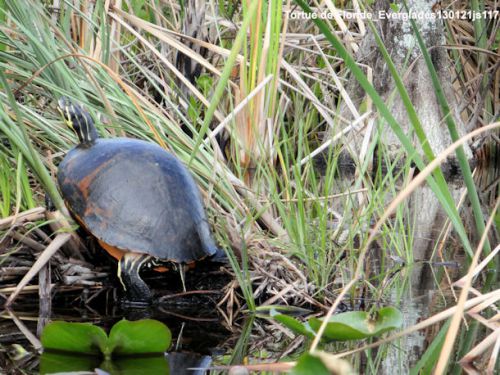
(202, 338)
(198, 339)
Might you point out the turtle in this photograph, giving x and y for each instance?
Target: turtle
(138, 200)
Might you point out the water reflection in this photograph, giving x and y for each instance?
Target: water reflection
(183, 363)
(196, 339)
(175, 363)
(200, 336)
(418, 296)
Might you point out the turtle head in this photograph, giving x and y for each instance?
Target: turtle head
(78, 119)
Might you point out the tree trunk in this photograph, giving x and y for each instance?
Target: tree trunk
(400, 41)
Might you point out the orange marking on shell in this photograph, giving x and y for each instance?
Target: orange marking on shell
(92, 209)
(161, 269)
(85, 182)
(112, 250)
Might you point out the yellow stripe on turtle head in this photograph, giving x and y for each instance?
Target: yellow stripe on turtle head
(65, 113)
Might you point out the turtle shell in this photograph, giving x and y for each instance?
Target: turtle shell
(135, 196)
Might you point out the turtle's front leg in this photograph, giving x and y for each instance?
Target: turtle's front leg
(137, 291)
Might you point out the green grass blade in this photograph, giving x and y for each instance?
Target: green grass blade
(23, 142)
(221, 84)
(429, 359)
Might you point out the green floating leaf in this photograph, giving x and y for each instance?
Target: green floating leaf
(140, 337)
(293, 324)
(126, 338)
(82, 338)
(309, 365)
(356, 325)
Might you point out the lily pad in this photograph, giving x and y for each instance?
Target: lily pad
(356, 325)
(126, 338)
(84, 338)
(139, 337)
(353, 325)
(294, 324)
